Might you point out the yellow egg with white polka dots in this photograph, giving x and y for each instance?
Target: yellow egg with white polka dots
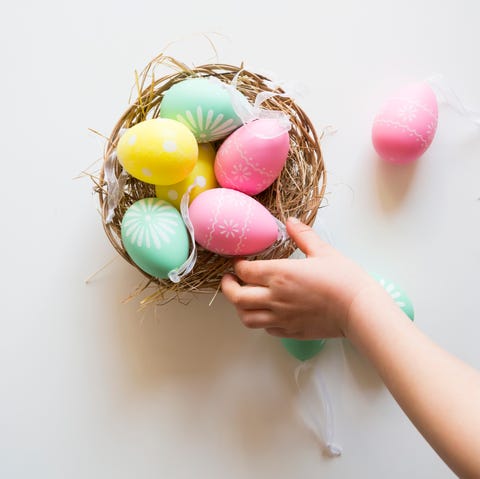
(158, 151)
(203, 175)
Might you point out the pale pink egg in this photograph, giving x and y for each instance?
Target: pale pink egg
(232, 223)
(252, 157)
(406, 124)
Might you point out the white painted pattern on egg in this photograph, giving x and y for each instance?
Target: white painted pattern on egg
(229, 222)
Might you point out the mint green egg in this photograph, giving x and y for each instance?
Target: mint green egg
(307, 349)
(303, 349)
(398, 295)
(155, 237)
(204, 106)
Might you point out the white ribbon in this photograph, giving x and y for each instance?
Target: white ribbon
(248, 112)
(309, 400)
(310, 404)
(114, 185)
(282, 236)
(176, 275)
(446, 94)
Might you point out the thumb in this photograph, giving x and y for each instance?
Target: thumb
(305, 238)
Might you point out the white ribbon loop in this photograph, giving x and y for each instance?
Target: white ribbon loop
(309, 404)
(248, 112)
(446, 94)
(114, 186)
(176, 275)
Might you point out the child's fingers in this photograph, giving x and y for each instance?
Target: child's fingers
(245, 297)
(259, 318)
(230, 287)
(253, 272)
(283, 333)
(253, 297)
(279, 332)
(305, 238)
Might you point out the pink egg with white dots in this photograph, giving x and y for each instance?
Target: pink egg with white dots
(252, 157)
(406, 124)
(231, 223)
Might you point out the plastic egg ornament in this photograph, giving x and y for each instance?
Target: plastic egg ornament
(154, 236)
(303, 349)
(205, 106)
(202, 175)
(231, 223)
(398, 295)
(406, 124)
(158, 151)
(253, 156)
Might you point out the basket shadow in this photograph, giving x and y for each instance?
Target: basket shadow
(179, 340)
(206, 357)
(393, 182)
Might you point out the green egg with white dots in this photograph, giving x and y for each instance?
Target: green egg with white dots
(205, 105)
(155, 236)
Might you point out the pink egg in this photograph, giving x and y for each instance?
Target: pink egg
(406, 124)
(253, 156)
(232, 223)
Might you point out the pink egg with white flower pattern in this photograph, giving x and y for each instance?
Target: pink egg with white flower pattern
(406, 124)
(231, 223)
(252, 157)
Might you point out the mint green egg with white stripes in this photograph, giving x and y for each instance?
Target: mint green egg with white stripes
(205, 106)
(398, 295)
(155, 236)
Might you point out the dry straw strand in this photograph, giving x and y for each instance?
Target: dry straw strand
(298, 191)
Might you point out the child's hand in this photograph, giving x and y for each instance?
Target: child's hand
(327, 295)
(298, 298)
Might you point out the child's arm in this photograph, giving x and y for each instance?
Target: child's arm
(327, 295)
(437, 391)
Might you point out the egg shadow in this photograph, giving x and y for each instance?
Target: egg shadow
(393, 182)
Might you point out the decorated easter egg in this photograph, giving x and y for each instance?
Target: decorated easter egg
(405, 126)
(202, 175)
(307, 349)
(205, 106)
(253, 156)
(303, 349)
(154, 236)
(158, 151)
(398, 295)
(232, 223)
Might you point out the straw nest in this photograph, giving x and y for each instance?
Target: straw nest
(297, 192)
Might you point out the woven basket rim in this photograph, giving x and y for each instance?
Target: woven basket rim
(305, 164)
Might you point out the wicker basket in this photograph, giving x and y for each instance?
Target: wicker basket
(298, 191)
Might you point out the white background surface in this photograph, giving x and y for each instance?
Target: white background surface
(90, 387)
